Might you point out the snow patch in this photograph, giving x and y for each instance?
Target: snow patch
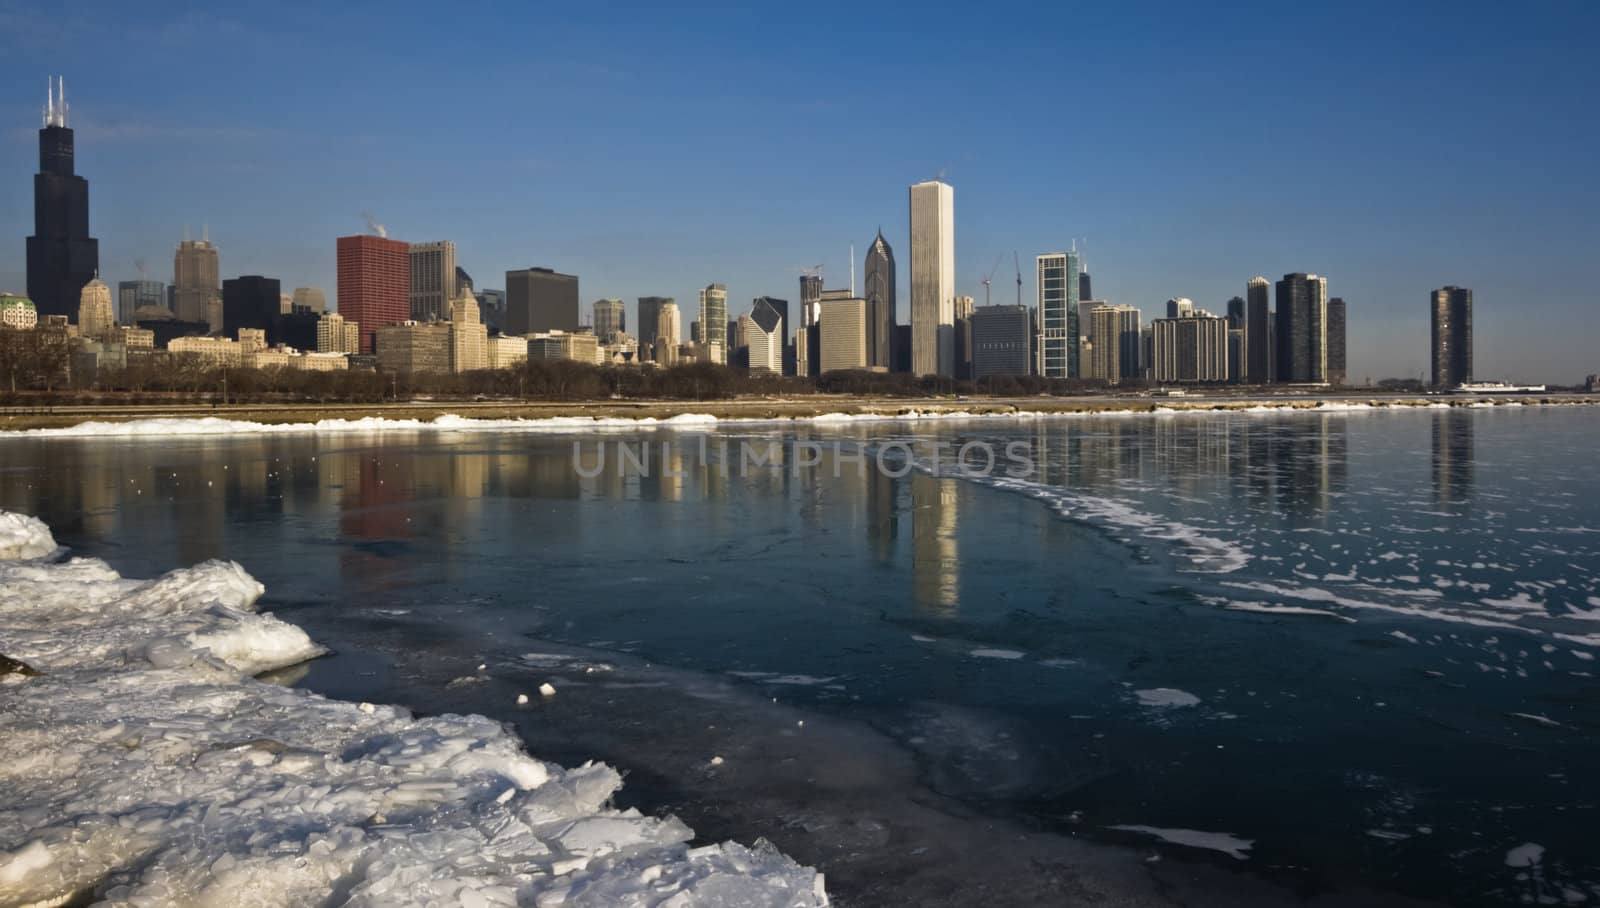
(1163, 697)
(22, 536)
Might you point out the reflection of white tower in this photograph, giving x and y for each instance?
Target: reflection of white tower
(935, 562)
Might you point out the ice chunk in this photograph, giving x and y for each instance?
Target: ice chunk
(146, 765)
(1230, 845)
(22, 536)
(1163, 697)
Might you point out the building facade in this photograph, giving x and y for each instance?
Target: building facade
(764, 338)
(1302, 325)
(879, 292)
(1189, 350)
(336, 334)
(810, 299)
(1451, 324)
(714, 322)
(563, 345)
(469, 339)
(933, 279)
(433, 280)
(1002, 341)
(374, 275)
(541, 300)
(842, 332)
(62, 256)
(649, 314)
(507, 352)
(610, 319)
(1259, 338)
(196, 282)
(96, 317)
(250, 301)
(413, 348)
(1338, 371)
(309, 299)
(1058, 314)
(133, 294)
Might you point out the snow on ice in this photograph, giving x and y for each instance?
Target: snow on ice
(145, 765)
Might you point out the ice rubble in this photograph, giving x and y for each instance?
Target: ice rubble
(146, 766)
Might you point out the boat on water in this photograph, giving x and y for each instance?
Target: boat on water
(1496, 387)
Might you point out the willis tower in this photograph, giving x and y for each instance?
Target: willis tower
(62, 257)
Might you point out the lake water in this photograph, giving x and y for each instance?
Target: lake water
(1343, 653)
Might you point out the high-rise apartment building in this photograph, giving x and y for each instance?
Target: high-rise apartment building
(1302, 316)
(433, 280)
(610, 319)
(1451, 323)
(879, 292)
(133, 294)
(95, 314)
(62, 256)
(1180, 307)
(714, 322)
(196, 281)
(374, 290)
(1189, 350)
(1058, 314)
(1002, 341)
(1337, 369)
(540, 300)
(1259, 338)
(933, 279)
(842, 332)
(1110, 342)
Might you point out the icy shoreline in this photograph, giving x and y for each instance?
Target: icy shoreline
(164, 427)
(144, 764)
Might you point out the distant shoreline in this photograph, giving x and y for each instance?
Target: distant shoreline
(19, 420)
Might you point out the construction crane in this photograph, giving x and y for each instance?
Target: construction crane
(989, 278)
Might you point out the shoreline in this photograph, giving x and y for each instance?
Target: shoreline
(77, 420)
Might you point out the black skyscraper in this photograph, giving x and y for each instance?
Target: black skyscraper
(62, 257)
(1337, 370)
(880, 297)
(251, 301)
(1085, 287)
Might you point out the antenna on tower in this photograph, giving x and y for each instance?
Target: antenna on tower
(61, 98)
(205, 232)
(1018, 263)
(852, 270)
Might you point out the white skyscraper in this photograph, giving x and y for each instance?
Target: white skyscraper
(933, 279)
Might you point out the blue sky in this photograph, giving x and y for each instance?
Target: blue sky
(653, 149)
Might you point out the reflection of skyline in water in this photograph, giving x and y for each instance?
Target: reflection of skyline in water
(1452, 457)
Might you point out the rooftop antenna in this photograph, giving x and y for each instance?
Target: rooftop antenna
(205, 232)
(1018, 263)
(61, 98)
(852, 270)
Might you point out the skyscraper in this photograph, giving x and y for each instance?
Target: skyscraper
(1336, 363)
(250, 301)
(196, 281)
(669, 324)
(714, 322)
(880, 297)
(1058, 312)
(1002, 341)
(1452, 336)
(649, 314)
(843, 332)
(610, 318)
(765, 337)
(1258, 335)
(540, 299)
(374, 283)
(1302, 310)
(810, 298)
(933, 279)
(1193, 349)
(1085, 286)
(95, 318)
(62, 256)
(1180, 307)
(433, 280)
(1236, 316)
(133, 294)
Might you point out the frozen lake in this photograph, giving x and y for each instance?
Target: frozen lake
(1345, 653)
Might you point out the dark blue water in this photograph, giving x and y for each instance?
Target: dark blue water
(1363, 641)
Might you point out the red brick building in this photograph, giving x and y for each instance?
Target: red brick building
(374, 283)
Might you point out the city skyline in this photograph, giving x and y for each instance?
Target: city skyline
(1392, 223)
